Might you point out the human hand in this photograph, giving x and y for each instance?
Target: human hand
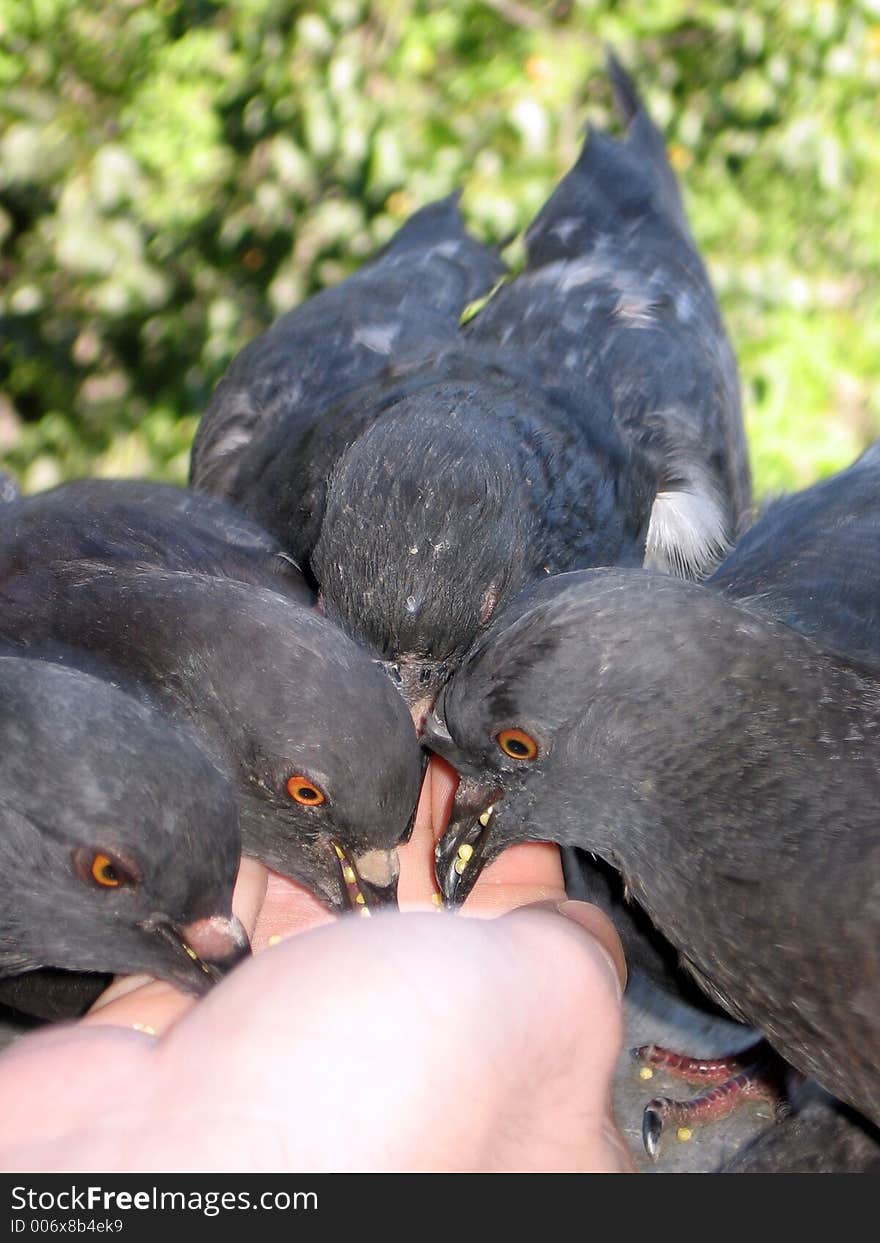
(444, 1044)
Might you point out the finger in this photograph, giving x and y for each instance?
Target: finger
(444, 782)
(288, 909)
(526, 873)
(141, 1003)
(250, 892)
(596, 923)
(604, 947)
(56, 1083)
(417, 888)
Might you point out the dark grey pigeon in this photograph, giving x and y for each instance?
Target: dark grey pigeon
(813, 561)
(422, 473)
(317, 744)
(401, 307)
(824, 584)
(822, 1138)
(119, 838)
(725, 764)
(125, 522)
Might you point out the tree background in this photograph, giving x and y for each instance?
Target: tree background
(174, 174)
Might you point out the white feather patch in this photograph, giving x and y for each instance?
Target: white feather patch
(231, 441)
(376, 337)
(687, 534)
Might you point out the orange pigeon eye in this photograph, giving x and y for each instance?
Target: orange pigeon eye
(105, 872)
(99, 867)
(305, 792)
(517, 744)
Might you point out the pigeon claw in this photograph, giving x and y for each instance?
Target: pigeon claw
(760, 1075)
(652, 1126)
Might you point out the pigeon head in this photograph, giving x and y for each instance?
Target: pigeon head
(430, 479)
(119, 839)
(601, 704)
(505, 723)
(321, 748)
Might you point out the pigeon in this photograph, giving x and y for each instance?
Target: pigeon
(825, 582)
(724, 762)
(824, 586)
(403, 306)
(423, 472)
(823, 1137)
(318, 745)
(119, 836)
(143, 523)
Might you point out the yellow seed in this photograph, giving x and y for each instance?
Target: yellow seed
(684, 1133)
(485, 818)
(646, 1073)
(339, 853)
(465, 852)
(275, 939)
(436, 899)
(189, 950)
(349, 874)
(361, 900)
(460, 865)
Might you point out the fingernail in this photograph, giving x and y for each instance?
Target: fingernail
(603, 933)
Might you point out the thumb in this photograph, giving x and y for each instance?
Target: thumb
(599, 928)
(593, 1025)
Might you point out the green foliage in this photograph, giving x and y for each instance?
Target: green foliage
(175, 173)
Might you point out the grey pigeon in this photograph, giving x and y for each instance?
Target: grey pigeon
(119, 838)
(824, 1137)
(724, 763)
(813, 561)
(423, 473)
(133, 522)
(319, 747)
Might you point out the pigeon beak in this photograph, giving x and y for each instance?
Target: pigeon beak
(370, 878)
(419, 709)
(437, 738)
(377, 873)
(418, 684)
(467, 845)
(219, 941)
(213, 945)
